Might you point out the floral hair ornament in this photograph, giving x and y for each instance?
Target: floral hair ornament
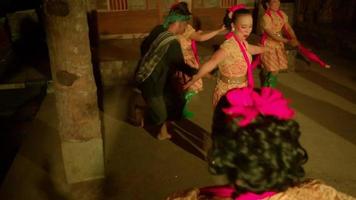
(234, 8)
(248, 104)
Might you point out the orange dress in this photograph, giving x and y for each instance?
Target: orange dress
(232, 70)
(311, 190)
(275, 58)
(188, 54)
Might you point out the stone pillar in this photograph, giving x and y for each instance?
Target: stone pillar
(75, 89)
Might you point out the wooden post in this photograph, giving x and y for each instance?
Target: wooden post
(147, 4)
(190, 5)
(91, 5)
(75, 90)
(160, 11)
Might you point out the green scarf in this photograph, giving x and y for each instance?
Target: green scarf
(174, 17)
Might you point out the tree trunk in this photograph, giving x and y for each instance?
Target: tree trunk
(76, 97)
(68, 43)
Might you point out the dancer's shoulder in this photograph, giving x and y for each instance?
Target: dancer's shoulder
(228, 42)
(189, 30)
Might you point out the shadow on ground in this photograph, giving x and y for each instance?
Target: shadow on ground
(331, 117)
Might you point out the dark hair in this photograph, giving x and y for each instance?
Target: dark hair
(235, 15)
(264, 4)
(180, 8)
(263, 156)
(197, 25)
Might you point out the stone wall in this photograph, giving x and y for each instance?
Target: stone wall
(152, 4)
(117, 72)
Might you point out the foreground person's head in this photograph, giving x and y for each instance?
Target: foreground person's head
(256, 141)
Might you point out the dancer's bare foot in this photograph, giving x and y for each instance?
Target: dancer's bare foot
(163, 134)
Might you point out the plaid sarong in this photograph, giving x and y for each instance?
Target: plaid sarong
(154, 55)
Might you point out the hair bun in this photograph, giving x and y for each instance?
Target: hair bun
(227, 20)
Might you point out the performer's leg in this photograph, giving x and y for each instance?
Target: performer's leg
(156, 117)
(137, 108)
(270, 79)
(264, 77)
(273, 79)
(156, 110)
(267, 78)
(163, 134)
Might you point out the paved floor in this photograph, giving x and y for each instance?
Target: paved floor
(140, 167)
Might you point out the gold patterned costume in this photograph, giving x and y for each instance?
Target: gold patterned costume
(189, 57)
(275, 57)
(233, 69)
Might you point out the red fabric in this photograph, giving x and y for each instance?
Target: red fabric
(311, 56)
(228, 191)
(237, 7)
(195, 51)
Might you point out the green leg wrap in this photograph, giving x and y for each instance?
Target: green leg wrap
(266, 79)
(188, 97)
(273, 81)
(270, 80)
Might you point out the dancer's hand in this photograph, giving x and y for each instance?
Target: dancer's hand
(187, 85)
(209, 76)
(327, 66)
(222, 29)
(294, 43)
(192, 62)
(284, 40)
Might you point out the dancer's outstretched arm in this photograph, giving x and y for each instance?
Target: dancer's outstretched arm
(198, 36)
(207, 67)
(275, 36)
(290, 31)
(294, 41)
(253, 49)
